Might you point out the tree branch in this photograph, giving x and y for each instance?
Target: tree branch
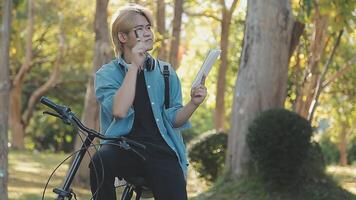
(319, 83)
(338, 74)
(28, 55)
(298, 29)
(51, 82)
(202, 14)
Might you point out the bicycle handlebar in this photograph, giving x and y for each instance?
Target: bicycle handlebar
(69, 117)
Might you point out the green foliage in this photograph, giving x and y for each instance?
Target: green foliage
(208, 155)
(313, 167)
(254, 188)
(44, 132)
(201, 121)
(330, 151)
(279, 141)
(351, 151)
(51, 134)
(339, 12)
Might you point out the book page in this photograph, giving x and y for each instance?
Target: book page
(209, 61)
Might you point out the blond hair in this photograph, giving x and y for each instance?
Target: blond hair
(122, 21)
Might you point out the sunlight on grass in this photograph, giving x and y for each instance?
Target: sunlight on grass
(346, 176)
(28, 167)
(29, 172)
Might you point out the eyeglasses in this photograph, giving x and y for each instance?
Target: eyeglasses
(140, 30)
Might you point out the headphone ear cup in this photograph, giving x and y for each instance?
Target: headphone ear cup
(149, 63)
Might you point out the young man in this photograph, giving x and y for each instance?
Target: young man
(131, 94)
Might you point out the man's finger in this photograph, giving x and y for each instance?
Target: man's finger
(203, 80)
(137, 37)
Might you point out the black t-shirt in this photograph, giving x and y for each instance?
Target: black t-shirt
(144, 128)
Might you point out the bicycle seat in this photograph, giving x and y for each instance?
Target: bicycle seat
(139, 183)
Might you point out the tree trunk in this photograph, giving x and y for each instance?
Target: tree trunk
(161, 28)
(262, 79)
(307, 90)
(16, 123)
(103, 54)
(177, 22)
(318, 88)
(342, 145)
(4, 95)
(219, 117)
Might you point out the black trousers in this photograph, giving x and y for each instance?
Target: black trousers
(161, 170)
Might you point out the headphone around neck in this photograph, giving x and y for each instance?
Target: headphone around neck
(149, 63)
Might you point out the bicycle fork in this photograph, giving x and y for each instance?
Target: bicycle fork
(66, 191)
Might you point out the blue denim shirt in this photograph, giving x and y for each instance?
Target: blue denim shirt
(108, 80)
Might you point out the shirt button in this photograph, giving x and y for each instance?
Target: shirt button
(157, 120)
(148, 86)
(153, 103)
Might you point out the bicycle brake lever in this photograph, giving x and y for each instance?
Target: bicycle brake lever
(133, 143)
(51, 113)
(125, 145)
(58, 116)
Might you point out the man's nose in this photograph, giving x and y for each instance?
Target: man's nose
(147, 32)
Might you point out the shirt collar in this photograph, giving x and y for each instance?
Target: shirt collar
(122, 63)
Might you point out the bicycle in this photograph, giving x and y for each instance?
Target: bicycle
(133, 184)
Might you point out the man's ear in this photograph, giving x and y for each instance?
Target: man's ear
(122, 37)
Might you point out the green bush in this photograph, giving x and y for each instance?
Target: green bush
(331, 153)
(207, 155)
(351, 151)
(329, 149)
(279, 142)
(313, 168)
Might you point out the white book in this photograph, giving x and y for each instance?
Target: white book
(209, 61)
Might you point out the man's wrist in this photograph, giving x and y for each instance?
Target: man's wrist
(192, 104)
(133, 67)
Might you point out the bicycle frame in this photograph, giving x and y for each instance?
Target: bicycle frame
(68, 117)
(65, 191)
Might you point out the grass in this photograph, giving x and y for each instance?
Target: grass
(345, 176)
(339, 185)
(29, 171)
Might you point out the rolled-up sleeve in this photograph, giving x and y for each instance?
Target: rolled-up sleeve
(105, 88)
(106, 85)
(175, 102)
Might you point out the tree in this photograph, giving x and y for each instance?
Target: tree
(327, 23)
(318, 42)
(219, 117)
(4, 95)
(262, 78)
(338, 103)
(161, 29)
(20, 114)
(103, 54)
(177, 22)
(16, 124)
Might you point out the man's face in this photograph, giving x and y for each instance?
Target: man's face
(141, 32)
